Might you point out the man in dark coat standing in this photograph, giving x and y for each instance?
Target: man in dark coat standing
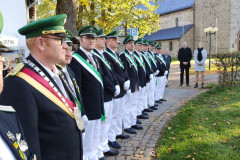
(184, 56)
(89, 79)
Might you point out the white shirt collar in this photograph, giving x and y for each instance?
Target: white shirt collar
(52, 74)
(129, 51)
(86, 52)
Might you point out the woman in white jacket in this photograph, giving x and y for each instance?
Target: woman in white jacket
(200, 56)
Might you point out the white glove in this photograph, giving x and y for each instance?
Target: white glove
(165, 73)
(83, 136)
(156, 73)
(117, 92)
(129, 91)
(126, 85)
(85, 120)
(151, 76)
(139, 88)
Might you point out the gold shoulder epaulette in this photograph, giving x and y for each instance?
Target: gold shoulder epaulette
(17, 69)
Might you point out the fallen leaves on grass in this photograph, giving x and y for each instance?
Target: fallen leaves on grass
(195, 135)
(228, 123)
(188, 156)
(169, 149)
(169, 128)
(214, 124)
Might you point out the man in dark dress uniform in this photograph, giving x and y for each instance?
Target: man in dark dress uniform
(149, 73)
(142, 103)
(13, 144)
(131, 68)
(44, 106)
(111, 89)
(184, 56)
(160, 77)
(114, 60)
(89, 79)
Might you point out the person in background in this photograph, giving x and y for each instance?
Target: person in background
(167, 58)
(200, 56)
(184, 56)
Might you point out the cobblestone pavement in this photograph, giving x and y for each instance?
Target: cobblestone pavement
(141, 146)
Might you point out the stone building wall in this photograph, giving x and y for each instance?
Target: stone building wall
(184, 17)
(234, 25)
(175, 46)
(213, 14)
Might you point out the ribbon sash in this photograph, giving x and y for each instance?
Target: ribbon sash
(104, 61)
(131, 60)
(153, 59)
(44, 89)
(88, 67)
(161, 59)
(114, 57)
(140, 61)
(148, 62)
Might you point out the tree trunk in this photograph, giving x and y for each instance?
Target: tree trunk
(92, 12)
(80, 17)
(70, 8)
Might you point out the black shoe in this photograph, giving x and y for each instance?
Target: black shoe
(196, 85)
(153, 108)
(158, 101)
(142, 117)
(166, 86)
(188, 85)
(130, 130)
(111, 153)
(138, 121)
(155, 105)
(144, 113)
(103, 158)
(180, 85)
(137, 127)
(114, 144)
(202, 85)
(163, 100)
(122, 136)
(148, 110)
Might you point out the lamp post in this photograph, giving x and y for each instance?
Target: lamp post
(209, 31)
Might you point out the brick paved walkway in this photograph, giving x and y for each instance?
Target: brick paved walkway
(141, 146)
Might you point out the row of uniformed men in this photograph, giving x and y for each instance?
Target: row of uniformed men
(109, 89)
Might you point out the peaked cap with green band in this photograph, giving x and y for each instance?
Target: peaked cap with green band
(113, 34)
(51, 25)
(100, 33)
(90, 31)
(68, 39)
(145, 42)
(128, 38)
(138, 41)
(159, 46)
(153, 43)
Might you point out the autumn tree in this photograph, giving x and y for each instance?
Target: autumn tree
(110, 14)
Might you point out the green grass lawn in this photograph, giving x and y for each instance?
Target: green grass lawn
(206, 128)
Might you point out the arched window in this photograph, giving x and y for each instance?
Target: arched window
(170, 46)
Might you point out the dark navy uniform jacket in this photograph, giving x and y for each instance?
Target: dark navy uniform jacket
(141, 72)
(10, 124)
(50, 132)
(161, 66)
(109, 79)
(148, 69)
(131, 70)
(90, 88)
(119, 72)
